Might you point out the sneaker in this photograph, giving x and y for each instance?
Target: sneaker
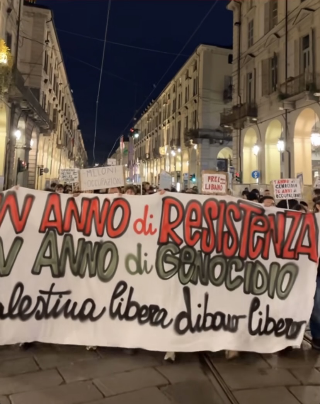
(170, 357)
(316, 343)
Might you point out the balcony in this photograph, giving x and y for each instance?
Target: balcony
(28, 101)
(194, 136)
(175, 143)
(299, 87)
(237, 115)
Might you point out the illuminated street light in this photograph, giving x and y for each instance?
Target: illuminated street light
(17, 134)
(31, 142)
(281, 145)
(255, 149)
(3, 58)
(315, 138)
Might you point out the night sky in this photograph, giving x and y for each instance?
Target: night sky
(130, 74)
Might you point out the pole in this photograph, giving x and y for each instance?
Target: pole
(13, 108)
(18, 37)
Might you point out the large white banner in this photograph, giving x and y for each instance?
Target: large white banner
(175, 272)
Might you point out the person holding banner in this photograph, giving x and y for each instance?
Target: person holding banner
(114, 191)
(315, 315)
(267, 201)
(129, 190)
(59, 189)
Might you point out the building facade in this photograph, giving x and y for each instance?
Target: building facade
(121, 157)
(276, 89)
(180, 131)
(38, 119)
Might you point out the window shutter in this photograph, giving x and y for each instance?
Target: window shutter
(312, 52)
(244, 90)
(276, 56)
(265, 77)
(254, 85)
(297, 57)
(290, 59)
(267, 17)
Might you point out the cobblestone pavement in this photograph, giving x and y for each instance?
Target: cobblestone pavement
(286, 378)
(51, 374)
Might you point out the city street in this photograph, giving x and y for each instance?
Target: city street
(71, 375)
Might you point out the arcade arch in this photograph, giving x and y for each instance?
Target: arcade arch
(250, 161)
(272, 154)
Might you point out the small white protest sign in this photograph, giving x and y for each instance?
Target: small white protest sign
(317, 183)
(214, 182)
(289, 188)
(111, 162)
(165, 180)
(69, 175)
(101, 178)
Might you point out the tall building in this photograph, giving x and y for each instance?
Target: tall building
(180, 131)
(276, 89)
(38, 120)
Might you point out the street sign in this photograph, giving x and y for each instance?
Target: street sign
(255, 174)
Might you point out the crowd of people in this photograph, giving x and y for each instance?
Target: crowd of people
(130, 189)
(267, 200)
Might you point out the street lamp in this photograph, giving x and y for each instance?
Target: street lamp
(315, 138)
(31, 142)
(17, 134)
(3, 58)
(255, 149)
(173, 153)
(281, 145)
(4, 53)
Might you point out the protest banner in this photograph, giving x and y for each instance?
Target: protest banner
(111, 162)
(69, 175)
(165, 180)
(101, 178)
(300, 178)
(172, 272)
(316, 184)
(289, 188)
(214, 182)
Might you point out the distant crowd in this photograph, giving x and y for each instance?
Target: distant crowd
(131, 189)
(267, 200)
(254, 195)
